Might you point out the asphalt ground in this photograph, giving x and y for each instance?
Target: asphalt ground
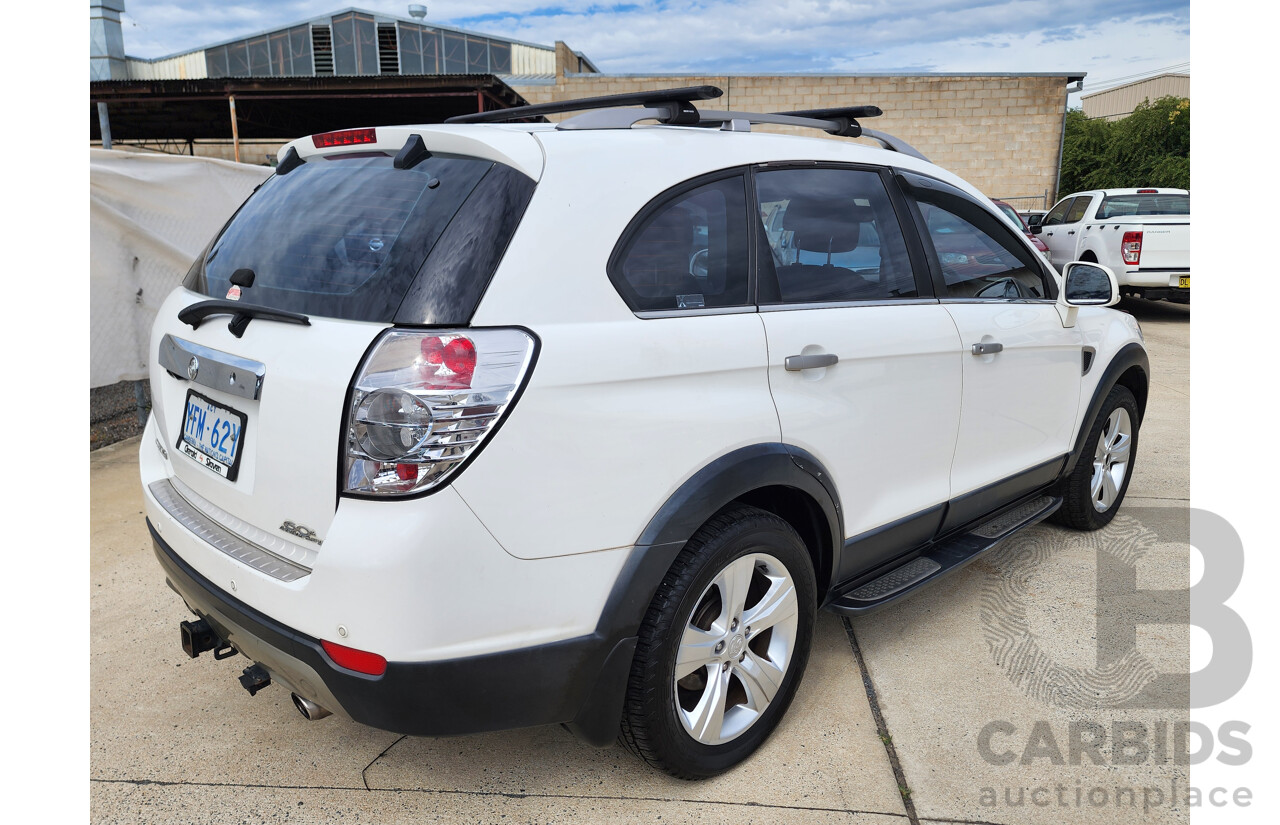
(996, 696)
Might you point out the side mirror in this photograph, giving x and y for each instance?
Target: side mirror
(1036, 228)
(1034, 220)
(1089, 284)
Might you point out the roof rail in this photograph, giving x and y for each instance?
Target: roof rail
(893, 144)
(672, 106)
(675, 107)
(623, 118)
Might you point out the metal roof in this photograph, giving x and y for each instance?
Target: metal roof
(1136, 83)
(1071, 77)
(324, 19)
(283, 108)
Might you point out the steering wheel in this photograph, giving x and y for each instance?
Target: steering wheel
(1002, 288)
(698, 264)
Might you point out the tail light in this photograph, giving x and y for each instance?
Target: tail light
(424, 401)
(1131, 247)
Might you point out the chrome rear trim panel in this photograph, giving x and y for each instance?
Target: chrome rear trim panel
(211, 368)
(281, 560)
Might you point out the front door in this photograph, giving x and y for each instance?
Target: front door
(1021, 366)
(1062, 235)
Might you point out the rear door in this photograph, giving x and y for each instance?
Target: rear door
(1021, 367)
(864, 363)
(252, 405)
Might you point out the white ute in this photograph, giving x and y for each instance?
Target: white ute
(1143, 235)
(470, 426)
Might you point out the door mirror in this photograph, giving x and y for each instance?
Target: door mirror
(1089, 284)
(1036, 228)
(1034, 220)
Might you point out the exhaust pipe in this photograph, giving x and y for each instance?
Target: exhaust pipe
(309, 709)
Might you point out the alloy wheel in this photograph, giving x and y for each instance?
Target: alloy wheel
(736, 648)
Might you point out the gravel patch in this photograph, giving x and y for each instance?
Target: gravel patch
(113, 413)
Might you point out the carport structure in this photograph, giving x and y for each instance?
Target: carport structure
(170, 115)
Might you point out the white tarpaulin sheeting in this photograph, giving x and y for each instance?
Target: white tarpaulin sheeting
(149, 217)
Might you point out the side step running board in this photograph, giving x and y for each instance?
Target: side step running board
(942, 558)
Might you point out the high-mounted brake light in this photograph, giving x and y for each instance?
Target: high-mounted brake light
(1131, 247)
(361, 661)
(347, 137)
(1148, 191)
(425, 400)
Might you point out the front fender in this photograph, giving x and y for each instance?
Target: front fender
(1130, 366)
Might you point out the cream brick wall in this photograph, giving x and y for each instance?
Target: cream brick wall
(999, 133)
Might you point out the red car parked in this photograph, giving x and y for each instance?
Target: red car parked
(1016, 218)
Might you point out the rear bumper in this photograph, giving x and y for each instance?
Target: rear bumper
(1159, 278)
(577, 680)
(1178, 296)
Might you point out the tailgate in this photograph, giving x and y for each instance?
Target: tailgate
(322, 258)
(282, 445)
(1166, 244)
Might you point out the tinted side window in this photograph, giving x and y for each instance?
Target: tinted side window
(833, 236)
(1058, 212)
(688, 253)
(977, 254)
(1076, 213)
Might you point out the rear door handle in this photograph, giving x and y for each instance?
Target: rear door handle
(795, 363)
(987, 349)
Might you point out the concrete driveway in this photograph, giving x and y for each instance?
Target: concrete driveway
(990, 688)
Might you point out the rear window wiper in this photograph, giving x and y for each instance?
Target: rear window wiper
(243, 313)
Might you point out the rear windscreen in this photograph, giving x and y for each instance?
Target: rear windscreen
(1120, 206)
(344, 236)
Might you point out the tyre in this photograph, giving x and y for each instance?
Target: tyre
(1093, 492)
(722, 647)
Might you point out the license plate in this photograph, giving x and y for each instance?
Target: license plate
(1184, 282)
(212, 435)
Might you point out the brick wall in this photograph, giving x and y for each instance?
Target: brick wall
(999, 133)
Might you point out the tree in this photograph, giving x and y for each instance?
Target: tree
(1150, 147)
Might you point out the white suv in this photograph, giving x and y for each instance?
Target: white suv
(476, 426)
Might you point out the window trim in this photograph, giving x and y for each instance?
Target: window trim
(664, 198)
(878, 302)
(916, 258)
(903, 178)
(1068, 200)
(1088, 202)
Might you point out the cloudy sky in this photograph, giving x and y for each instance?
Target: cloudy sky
(1112, 40)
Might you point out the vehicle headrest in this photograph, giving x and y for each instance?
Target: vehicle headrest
(824, 224)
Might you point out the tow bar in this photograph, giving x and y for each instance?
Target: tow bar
(255, 678)
(198, 637)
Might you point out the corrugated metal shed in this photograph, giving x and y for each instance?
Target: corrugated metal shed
(1118, 102)
(351, 42)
